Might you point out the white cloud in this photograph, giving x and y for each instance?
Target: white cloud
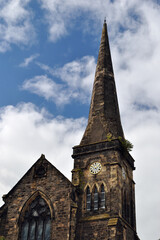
(142, 129)
(26, 132)
(75, 82)
(136, 61)
(79, 73)
(61, 16)
(28, 60)
(15, 24)
(47, 88)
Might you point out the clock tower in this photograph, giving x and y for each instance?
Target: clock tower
(103, 167)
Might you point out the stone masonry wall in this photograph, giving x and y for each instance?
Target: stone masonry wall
(55, 189)
(115, 181)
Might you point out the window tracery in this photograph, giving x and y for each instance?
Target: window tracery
(36, 223)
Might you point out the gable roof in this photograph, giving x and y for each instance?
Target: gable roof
(40, 162)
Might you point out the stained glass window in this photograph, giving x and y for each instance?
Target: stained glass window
(36, 224)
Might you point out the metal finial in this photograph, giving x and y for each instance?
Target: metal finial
(105, 20)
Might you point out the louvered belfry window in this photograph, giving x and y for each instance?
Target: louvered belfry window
(36, 224)
(88, 199)
(102, 197)
(95, 198)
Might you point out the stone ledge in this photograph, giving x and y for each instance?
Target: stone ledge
(112, 221)
(103, 146)
(95, 217)
(94, 147)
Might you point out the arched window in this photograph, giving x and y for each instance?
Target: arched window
(36, 222)
(102, 197)
(95, 198)
(124, 204)
(132, 213)
(88, 199)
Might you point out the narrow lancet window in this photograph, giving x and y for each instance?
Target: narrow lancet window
(95, 199)
(124, 204)
(36, 222)
(88, 199)
(102, 197)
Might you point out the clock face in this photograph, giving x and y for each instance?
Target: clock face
(95, 168)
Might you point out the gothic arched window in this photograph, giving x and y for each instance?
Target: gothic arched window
(95, 198)
(102, 197)
(36, 223)
(124, 204)
(88, 199)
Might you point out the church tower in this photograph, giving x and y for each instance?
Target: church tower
(103, 167)
(99, 204)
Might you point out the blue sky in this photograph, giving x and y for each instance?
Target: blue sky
(48, 54)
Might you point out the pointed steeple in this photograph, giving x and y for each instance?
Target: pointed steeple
(104, 118)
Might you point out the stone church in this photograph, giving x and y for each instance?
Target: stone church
(99, 203)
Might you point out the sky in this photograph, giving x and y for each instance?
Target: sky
(48, 54)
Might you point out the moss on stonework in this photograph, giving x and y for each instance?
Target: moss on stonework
(109, 137)
(126, 144)
(76, 170)
(2, 238)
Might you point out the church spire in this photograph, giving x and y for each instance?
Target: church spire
(104, 118)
